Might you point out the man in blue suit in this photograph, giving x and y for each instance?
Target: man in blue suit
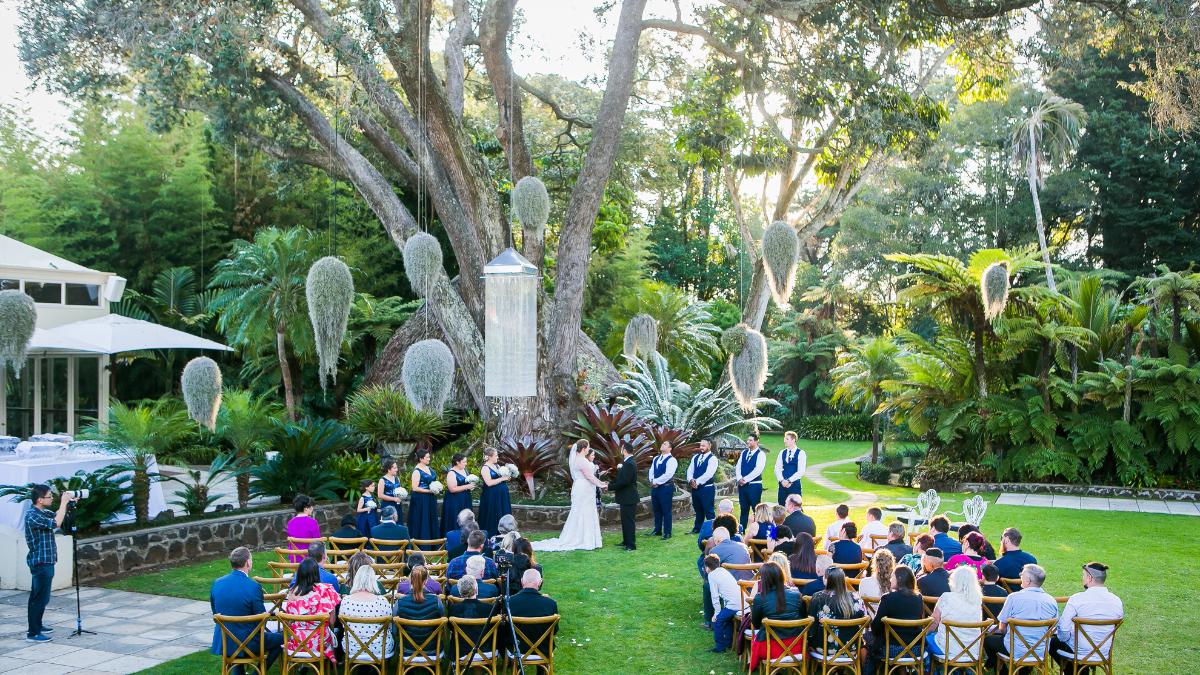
(236, 594)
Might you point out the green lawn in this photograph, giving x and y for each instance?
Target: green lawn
(630, 612)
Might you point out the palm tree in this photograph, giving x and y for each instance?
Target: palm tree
(800, 360)
(262, 297)
(1045, 138)
(687, 337)
(859, 377)
(246, 423)
(1175, 289)
(142, 435)
(829, 294)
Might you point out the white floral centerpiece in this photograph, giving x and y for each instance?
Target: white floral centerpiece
(400, 492)
(436, 487)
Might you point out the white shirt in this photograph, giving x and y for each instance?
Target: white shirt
(1097, 603)
(703, 478)
(800, 463)
(724, 590)
(834, 531)
(956, 608)
(872, 527)
(672, 466)
(760, 463)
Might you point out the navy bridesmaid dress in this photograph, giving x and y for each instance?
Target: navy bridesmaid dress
(422, 510)
(453, 503)
(494, 503)
(369, 519)
(389, 489)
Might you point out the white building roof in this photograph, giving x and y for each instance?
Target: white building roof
(17, 254)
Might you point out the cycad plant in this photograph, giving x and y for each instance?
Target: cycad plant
(303, 463)
(859, 377)
(196, 496)
(140, 435)
(245, 423)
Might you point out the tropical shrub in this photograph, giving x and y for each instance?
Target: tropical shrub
(351, 470)
(907, 477)
(686, 334)
(196, 496)
(245, 424)
(385, 415)
(684, 443)
(874, 472)
(833, 427)
(607, 429)
(111, 495)
(532, 457)
(303, 463)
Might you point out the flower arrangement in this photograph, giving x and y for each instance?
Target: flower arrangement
(400, 492)
(436, 487)
(473, 480)
(512, 471)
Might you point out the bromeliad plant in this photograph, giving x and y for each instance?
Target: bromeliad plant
(532, 457)
(607, 429)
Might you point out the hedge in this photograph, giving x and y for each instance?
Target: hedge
(833, 427)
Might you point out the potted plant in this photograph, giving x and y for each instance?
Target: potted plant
(387, 417)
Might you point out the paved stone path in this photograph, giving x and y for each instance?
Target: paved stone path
(134, 631)
(1099, 503)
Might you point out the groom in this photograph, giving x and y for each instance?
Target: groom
(625, 493)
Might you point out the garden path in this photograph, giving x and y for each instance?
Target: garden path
(1099, 503)
(858, 498)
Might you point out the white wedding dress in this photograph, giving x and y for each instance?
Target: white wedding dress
(582, 529)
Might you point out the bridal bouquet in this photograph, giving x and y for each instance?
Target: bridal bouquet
(436, 487)
(512, 470)
(400, 492)
(473, 480)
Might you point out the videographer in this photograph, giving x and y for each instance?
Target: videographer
(40, 524)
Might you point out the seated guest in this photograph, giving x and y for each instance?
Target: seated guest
(464, 533)
(236, 594)
(523, 559)
(476, 567)
(835, 528)
(987, 551)
(348, 529)
(778, 514)
(802, 562)
(508, 543)
(824, 562)
(962, 604)
(726, 599)
(936, 580)
(797, 519)
(457, 566)
(902, 603)
(506, 524)
(356, 562)
(302, 525)
(388, 529)
(971, 556)
(454, 537)
(316, 553)
(470, 608)
(724, 507)
(783, 541)
(730, 523)
(896, 542)
(782, 561)
(1030, 603)
(874, 526)
(1012, 558)
(940, 526)
(418, 605)
(529, 603)
(990, 583)
(727, 551)
(307, 597)
(879, 584)
(1095, 603)
(845, 550)
(913, 560)
(762, 525)
(836, 602)
(779, 602)
(404, 586)
(366, 602)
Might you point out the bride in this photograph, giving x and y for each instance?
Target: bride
(582, 529)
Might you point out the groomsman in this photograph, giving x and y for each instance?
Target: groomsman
(700, 473)
(789, 467)
(662, 489)
(750, 465)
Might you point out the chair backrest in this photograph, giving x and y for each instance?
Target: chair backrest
(784, 658)
(1010, 585)
(758, 549)
(273, 584)
(817, 541)
(853, 569)
(305, 636)
(910, 651)
(419, 654)
(338, 556)
(285, 554)
(854, 583)
(483, 636)
(928, 603)
(871, 604)
(274, 601)
(454, 600)
(737, 568)
(964, 641)
(433, 549)
(1028, 647)
(385, 556)
(393, 570)
(877, 540)
(541, 649)
(992, 607)
(282, 569)
(347, 543)
(913, 537)
(836, 648)
(302, 543)
(374, 648)
(747, 591)
(250, 650)
(1095, 647)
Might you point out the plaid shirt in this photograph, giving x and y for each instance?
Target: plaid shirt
(458, 567)
(39, 534)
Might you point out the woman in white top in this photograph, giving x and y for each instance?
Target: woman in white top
(963, 604)
(880, 583)
(364, 602)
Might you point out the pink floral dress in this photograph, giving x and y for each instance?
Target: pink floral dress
(323, 599)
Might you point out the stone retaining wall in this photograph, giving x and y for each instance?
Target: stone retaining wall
(124, 553)
(1168, 494)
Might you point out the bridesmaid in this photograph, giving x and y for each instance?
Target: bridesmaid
(458, 493)
(388, 486)
(422, 505)
(494, 503)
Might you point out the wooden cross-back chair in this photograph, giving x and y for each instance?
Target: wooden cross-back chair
(339, 556)
(274, 601)
(433, 549)
(785, 660)
(1024, 652)
(247, 652)
(393, 570)
(388, 555)
(311, 634)
(871, 604)
(284, 554)
(836, 654)
(424, 655)
(928, 603)
(353, 544)
(992, 607)
(745, 596)
(371, 652)
(454, 600)
(282, 569)
(534, 654)
(1090, 652)
(911, 655)
(1010, 585)
(854, 570)
(467, 634)
(963, 655)
(734, 568)
(876, 541)
(758, 549)
(273, 584)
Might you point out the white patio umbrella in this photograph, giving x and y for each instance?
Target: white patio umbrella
(113, 333)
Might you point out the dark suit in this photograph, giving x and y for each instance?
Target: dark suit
(389, 531)
(529, 603)
(935, 584)
(485, 590)
(798, 521)
(470, 609)
(236, 594)
(625, 494)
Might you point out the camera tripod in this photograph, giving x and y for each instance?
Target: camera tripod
(500, 608)
(68, 527)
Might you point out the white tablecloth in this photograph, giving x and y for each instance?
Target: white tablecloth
(42, 469)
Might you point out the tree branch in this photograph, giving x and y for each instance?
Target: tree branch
(456, 66)
(551, 103)
(709, 39)
(494, 28)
